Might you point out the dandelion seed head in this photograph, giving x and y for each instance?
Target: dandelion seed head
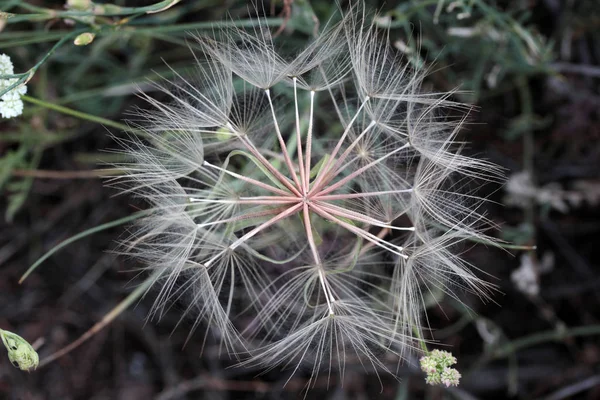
(302, 205)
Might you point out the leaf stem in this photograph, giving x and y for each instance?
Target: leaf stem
(309, 139)
(304, 182)
(282, 144)
(320, 179)
(81, 235)
(313, 247)
(75, 113)
(107, 319)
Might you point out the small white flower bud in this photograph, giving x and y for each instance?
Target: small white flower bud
(80, 5)
(437, 367)
(450, 377)
(102, 9)
(428, 365)
(84, 39)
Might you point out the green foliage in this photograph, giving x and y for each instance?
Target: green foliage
(91, 82)
(17, 189)
(480, 47)
(487, 46)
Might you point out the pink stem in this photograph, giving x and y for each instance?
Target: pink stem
(264, 201)
(330, 174)
(359, 171)
(284, 149)
(284, 181)
(344, 213)
(309, 139)
(339, 145)
(286, 199)
(359, 232)
(290, 211)
(303, 180)
(242, 217)
(313, 247)
(249, 180)
(357, 195)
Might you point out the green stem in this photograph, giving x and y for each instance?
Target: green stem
(417, 333)
(104, 10)
(23, 78)
(246, 23)
(75, 113)
(107, 319)
(542, 337)
(511, 348)
(487, 242)
(528, 145)
(26, 76)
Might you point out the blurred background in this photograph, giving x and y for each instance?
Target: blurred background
(531, 68)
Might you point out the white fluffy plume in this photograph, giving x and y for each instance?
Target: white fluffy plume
(302, 206)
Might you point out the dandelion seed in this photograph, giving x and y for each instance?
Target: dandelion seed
(305, 242)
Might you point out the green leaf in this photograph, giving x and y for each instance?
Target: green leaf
(303, 18)
(354, 260)
(272, 260)
(81, 235)
(20, 189)
(316, 170)
(318, 239)
(307, 286)
(16, 200)
(11, 160)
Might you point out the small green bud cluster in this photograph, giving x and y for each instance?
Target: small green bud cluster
(437, 367)
(20, 353)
